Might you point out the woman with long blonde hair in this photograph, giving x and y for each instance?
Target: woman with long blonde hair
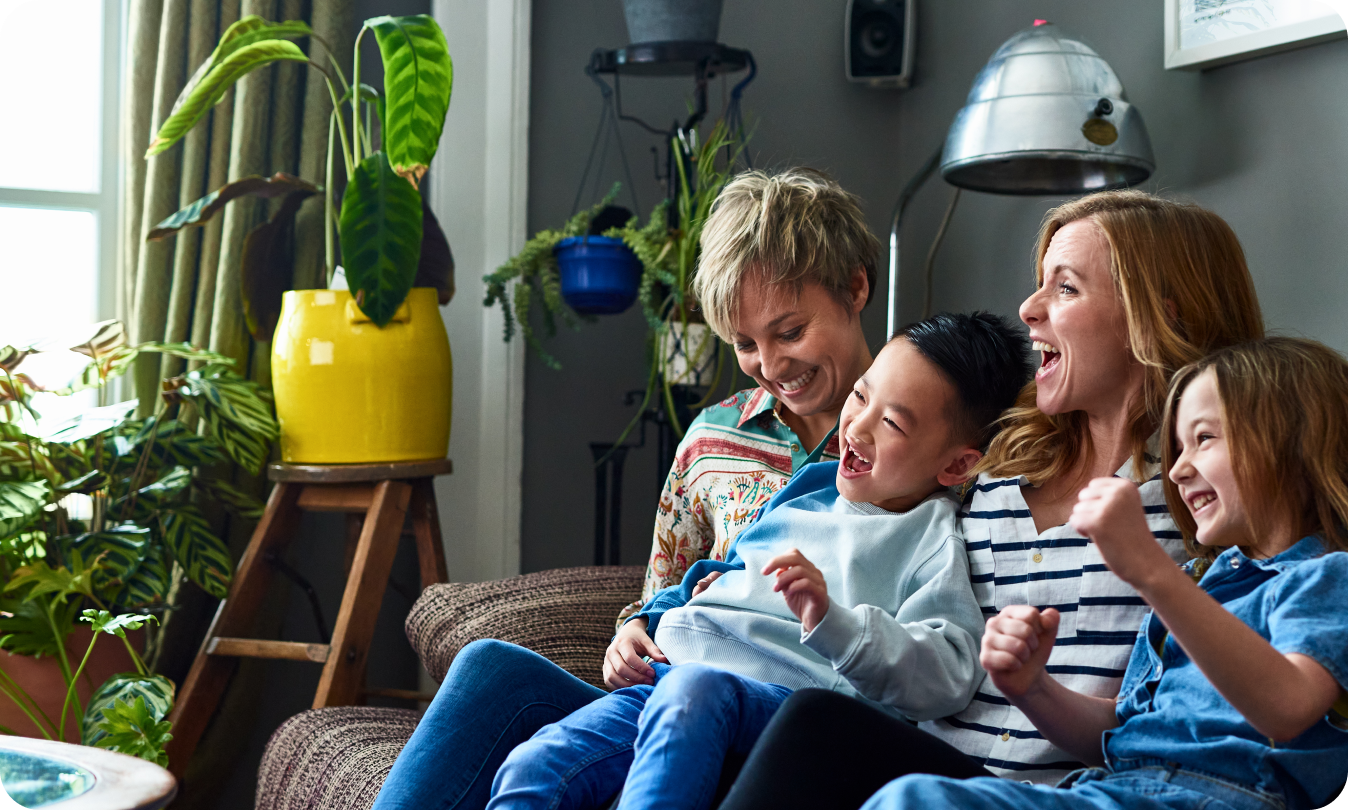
(1129, 288)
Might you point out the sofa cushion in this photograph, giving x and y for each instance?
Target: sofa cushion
(565, 615)
(334, 759)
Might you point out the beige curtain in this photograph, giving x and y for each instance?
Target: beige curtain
(186, 288)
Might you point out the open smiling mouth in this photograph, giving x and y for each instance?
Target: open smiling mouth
(1050, 359)
(1202, 499)
(793, 385)
(854, 463)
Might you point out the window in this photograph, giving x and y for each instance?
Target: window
(58, 175)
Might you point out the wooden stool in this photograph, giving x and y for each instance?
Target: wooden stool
(382, 493)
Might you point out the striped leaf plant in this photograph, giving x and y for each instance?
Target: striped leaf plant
(388, 238)
(103, 518)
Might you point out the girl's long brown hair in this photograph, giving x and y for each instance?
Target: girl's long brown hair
(1285, 419)
(1186, 291)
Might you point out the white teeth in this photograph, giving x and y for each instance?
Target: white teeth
(1200, 501)
(799, 382)
(1041, 346)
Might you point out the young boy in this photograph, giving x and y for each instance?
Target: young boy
(875, 579)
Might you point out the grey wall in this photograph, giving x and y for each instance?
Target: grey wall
(1260, 142)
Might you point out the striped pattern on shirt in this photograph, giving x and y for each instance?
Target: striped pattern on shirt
(1012, 564)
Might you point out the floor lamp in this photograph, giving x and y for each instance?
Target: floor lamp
(1046, 117)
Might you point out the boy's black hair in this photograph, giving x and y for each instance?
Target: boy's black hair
(984, 357)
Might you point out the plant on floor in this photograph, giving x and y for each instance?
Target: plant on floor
(389, 239)
(102, 518)
(668, 255)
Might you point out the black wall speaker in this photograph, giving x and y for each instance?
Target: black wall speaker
(878, 42)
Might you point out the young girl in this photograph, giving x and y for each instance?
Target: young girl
(1233, 696)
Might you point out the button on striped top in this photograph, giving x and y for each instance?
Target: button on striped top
(1012, 564)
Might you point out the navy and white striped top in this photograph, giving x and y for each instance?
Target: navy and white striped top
(1012, 564)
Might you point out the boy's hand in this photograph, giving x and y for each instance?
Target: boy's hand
(622, 661)
(1109, 512)
(1016, 645)
(705, 582)
(803, 586)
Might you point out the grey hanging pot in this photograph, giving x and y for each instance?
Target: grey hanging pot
(672, 20)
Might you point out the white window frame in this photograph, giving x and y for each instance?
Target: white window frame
(106, 202)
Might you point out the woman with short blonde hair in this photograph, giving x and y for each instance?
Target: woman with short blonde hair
(787, 264)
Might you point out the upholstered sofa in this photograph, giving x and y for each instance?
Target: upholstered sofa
(336, 759)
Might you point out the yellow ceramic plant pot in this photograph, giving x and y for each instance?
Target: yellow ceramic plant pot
(348, 392)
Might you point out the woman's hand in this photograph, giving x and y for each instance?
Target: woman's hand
(803, 586)
(1109, 512)
(705, 582)
(622, 661)
(1016, 645)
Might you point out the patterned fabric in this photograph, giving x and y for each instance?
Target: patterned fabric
(562, 614)
(734, 457)
(334, 759)
(1013, 564)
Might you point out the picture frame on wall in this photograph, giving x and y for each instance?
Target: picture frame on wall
(1202, 34)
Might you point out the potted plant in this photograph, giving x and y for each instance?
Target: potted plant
(683, 350)
(362, 374)
(101, 518)
(666, 20)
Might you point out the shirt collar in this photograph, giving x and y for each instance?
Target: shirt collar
(1307, 548)
(1151, 466)
(759, 402)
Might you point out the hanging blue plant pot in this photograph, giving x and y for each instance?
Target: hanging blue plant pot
(600, 274)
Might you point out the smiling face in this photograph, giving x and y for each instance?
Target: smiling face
(1077, 320)
(895, 432)
(1203, 472)
(805, 350)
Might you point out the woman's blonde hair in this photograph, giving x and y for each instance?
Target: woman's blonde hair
(1186, 291)
(1285, 420)
(788, 229)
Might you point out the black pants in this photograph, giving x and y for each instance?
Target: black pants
(824, 750)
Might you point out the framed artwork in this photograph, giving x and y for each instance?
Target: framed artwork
(1207, 33)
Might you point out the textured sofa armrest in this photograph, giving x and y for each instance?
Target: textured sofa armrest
(565, 615)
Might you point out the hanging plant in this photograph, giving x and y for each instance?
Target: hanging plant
(679, 350)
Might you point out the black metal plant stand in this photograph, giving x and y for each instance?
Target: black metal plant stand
(704, 61)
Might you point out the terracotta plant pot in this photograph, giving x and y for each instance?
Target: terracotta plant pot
(41, 679)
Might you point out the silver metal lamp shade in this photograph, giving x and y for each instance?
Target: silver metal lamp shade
(1046, 116)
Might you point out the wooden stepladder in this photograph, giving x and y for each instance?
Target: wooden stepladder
(381, 493)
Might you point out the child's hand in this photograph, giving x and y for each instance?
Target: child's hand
(1109, 512)
(1016, 645)
(705, 582)
(622, 661)
(803, 586)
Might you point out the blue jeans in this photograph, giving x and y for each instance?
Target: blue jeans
(1165, 787)
(495, 696)
(666, 741)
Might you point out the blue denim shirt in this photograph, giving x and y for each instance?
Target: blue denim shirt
(1168, 711)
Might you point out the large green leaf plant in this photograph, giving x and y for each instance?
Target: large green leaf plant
(389, 239)
(101, 519)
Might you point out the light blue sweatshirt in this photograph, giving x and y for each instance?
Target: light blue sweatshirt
(902, 629)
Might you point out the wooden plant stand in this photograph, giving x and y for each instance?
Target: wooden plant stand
(383, 494)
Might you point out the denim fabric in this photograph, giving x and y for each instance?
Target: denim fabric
(672, 737)
(1168, 711)
(1159, 787)
(495, 696)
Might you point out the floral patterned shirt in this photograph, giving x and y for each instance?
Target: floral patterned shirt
(734, 457)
